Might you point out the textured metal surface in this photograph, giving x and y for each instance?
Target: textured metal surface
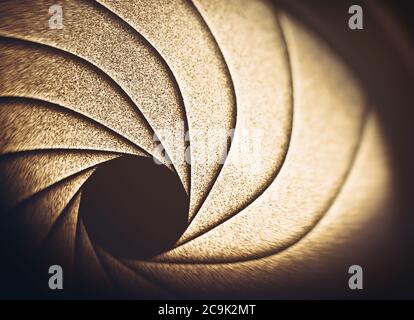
(314, 195)
(180, 35)
(259, 67)
(128, 59)
(35, 125)
(279, 216)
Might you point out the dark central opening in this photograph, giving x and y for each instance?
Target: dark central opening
(134, 208)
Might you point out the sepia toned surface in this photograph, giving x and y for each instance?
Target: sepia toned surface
(315, 189)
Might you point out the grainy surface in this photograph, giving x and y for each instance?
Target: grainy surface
(314, 194)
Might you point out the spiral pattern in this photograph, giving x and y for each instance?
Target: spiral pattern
(75, 99)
